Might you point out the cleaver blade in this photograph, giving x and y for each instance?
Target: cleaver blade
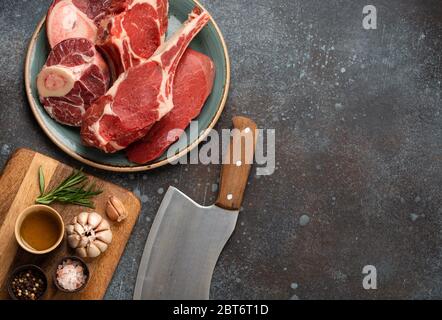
(186, 239)
(182, 249)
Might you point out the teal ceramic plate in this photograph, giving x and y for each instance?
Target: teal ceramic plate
(210, 42)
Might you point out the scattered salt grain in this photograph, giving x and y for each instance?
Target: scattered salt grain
(70, 275)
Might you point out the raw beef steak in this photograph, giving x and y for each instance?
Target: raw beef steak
(193, 84)
(78, 18)
(140, 96)
(73, 77)
(133, 35)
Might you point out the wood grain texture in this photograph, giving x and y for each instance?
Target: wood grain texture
(18, 190)
(236, 168)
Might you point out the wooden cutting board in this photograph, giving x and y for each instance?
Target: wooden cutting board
(18, 189)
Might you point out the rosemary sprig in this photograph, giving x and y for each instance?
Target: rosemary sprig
(73, 190)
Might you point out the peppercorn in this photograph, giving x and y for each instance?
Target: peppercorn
(27, 285)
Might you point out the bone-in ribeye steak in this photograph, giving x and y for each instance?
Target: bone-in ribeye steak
(78, 18)
(140, 96)
(193, 84)
(133, 35)
(73, 77)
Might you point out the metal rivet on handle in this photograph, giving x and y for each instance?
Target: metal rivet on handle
(238, 163)
(229, 196)
(247, 130)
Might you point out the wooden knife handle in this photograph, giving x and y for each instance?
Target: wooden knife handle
(237, 164)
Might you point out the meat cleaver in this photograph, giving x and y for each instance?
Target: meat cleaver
(186, 239)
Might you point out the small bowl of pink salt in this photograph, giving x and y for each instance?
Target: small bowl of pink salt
(71, 275)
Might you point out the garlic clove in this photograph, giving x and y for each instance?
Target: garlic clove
(83, 241)
(81, 252)
(100, 245)
(94, 219)
(115, 209)
(70, 229)
(82, 218)
(78, 228)
(104, 225)
(112, 213)
(105, 236)
(93, 251)
(74, 240)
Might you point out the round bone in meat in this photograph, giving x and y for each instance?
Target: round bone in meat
(74, 76)
(55, 81)
(65, 20)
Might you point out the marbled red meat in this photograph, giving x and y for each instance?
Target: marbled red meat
(73, 77)
(131, 37)
(192, 86)
(79, 18)
(141, 96)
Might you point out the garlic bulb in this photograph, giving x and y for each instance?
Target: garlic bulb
(89, 234)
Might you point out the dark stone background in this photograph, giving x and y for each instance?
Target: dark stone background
(358, 152)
